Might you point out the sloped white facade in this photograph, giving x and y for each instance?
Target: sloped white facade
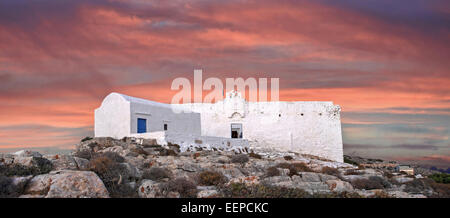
(304, 127)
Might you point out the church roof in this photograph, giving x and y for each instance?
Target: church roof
(143, 101)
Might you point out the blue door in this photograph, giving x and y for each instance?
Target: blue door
(142, 125)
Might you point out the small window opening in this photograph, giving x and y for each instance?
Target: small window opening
(320, 114)
(236, 130)
(301, 114)
(165, 126)
(279, 115)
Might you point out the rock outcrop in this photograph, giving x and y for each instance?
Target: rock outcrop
(105, 167)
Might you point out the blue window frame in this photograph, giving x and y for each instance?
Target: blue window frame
(141, 125)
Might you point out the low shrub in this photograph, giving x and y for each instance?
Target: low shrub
(388, 174)
(331, 171)
(239, 158)
(156, 173)
(381, 194)
(440, 178)
(86, 154)
(195, 155)
(240, 190)
(353, 172)
(440, 190)
(418, 186)
(167, 152)
(288, 157)
(7, 188)
(113, 174)
(349, 161)
(40, 165)
(344, 195)
(122, 191)
(380, 180)
(184, 187)
(294, 168)
(87, 138)
(374, 182)
(211, 178)
(43, 165)
(138, 151)
(113, 156)
(272, 171)
(254, 155)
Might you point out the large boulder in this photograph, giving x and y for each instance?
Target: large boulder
(312, 177)
(284, 181)
(190, 167)
(247, 180)
(132, 171)
(39, 185)
(64, 162)
(116, 149)
(82, 164)
(24, 161)
(208, 193)
(339, 186)
(312, 187)
(149, 189)
(400, 194)
(67, 184)
(402, 179)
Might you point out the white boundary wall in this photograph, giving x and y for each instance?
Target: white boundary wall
(196, 142)
(303, 127)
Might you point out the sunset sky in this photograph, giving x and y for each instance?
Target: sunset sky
(385, 62)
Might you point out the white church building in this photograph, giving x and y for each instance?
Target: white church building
(311, 127)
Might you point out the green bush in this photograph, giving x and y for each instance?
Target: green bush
(211, 178)
(87, 138)
(440, 178)
(349, 161)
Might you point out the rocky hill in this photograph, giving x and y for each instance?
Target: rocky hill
(105, 167)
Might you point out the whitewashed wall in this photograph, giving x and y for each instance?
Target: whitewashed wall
(189, 142)
(112, 118)
(118, 114)
(304, 127)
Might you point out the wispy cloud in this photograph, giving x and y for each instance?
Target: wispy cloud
(386, 66)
